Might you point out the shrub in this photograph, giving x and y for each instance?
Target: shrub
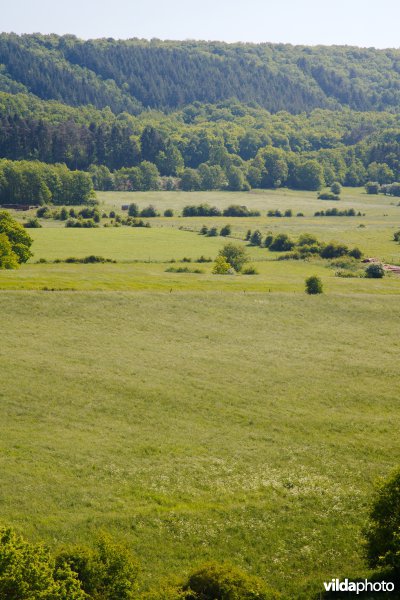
(133, 210)
(212, 232)
(148, 212)
(372, 187)
(204, 230)
(221, 266)
(29, 572)
(225, 231)
(168, 212)
(314, 285)
(281, 243)
(336, 188)
(396, 236)
(300, 214)
(216, 581)
(32, 223)
(235, 255)
(15, 244)
(203, 259)
(375, 271)
(268, 240)
(43, 212)
(112, 214)
(383, 532)
(356, 253)
(109, 571)
(256, 238)
(328, 196)
(307, 239)
(333, 250)
(250, 271)
(235, 210)
(288, 213)
(248, 235)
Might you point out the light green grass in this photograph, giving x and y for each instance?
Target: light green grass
(248, 427)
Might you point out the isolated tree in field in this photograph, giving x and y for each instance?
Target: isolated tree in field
(314, 285)
(19, 240)
(225, 231)
(235, 255)
(383, 532)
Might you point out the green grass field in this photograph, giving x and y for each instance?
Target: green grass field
(197, 416)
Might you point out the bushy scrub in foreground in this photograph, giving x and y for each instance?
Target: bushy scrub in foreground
(383, 532)
(29, 572)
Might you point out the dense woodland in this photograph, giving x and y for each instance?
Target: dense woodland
(140, 115)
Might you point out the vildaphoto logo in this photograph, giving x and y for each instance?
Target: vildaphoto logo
(358, 586)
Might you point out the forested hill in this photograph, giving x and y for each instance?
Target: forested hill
(135, 74)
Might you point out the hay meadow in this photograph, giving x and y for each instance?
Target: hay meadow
(198, 416)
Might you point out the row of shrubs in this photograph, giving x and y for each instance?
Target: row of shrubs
(306, 245)
(205, 210)
(213, 231)
(389, 189)
(334, 212)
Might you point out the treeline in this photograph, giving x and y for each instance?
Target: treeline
(32, 182)
(132, 74)
(204, 147)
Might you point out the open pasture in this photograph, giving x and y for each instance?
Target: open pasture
(237, 427)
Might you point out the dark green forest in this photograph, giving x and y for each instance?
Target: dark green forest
(145, 115)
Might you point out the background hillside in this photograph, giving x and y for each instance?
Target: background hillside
(132, 74)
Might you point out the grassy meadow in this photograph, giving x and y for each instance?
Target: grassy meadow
(196, 416)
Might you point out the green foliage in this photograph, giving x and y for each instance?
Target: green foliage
(32, 223)
(8, 258)
(281, 243)
(18, 238)
(372, 187)
(133, 210)
(225, 231)
(333, 250)
(28, 572)
(256, 238)
(216, 581)
(383, 533)
(221, 266)
(168, 212)
(336, 188)
(314, 285)
(149, 212)
(375, 271)
(235, 255)
(107, 572)
(328, 196)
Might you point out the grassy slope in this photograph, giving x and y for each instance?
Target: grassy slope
(243, 427)
(237, 426)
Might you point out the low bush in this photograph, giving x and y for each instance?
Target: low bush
(225, 231)
(250, 271)
(32, 223)
(328, 196)
(235, 210)
(314, 285)
(281, 243)
(375, 271)
(149, 212)
(216, 581)
(168, 212)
